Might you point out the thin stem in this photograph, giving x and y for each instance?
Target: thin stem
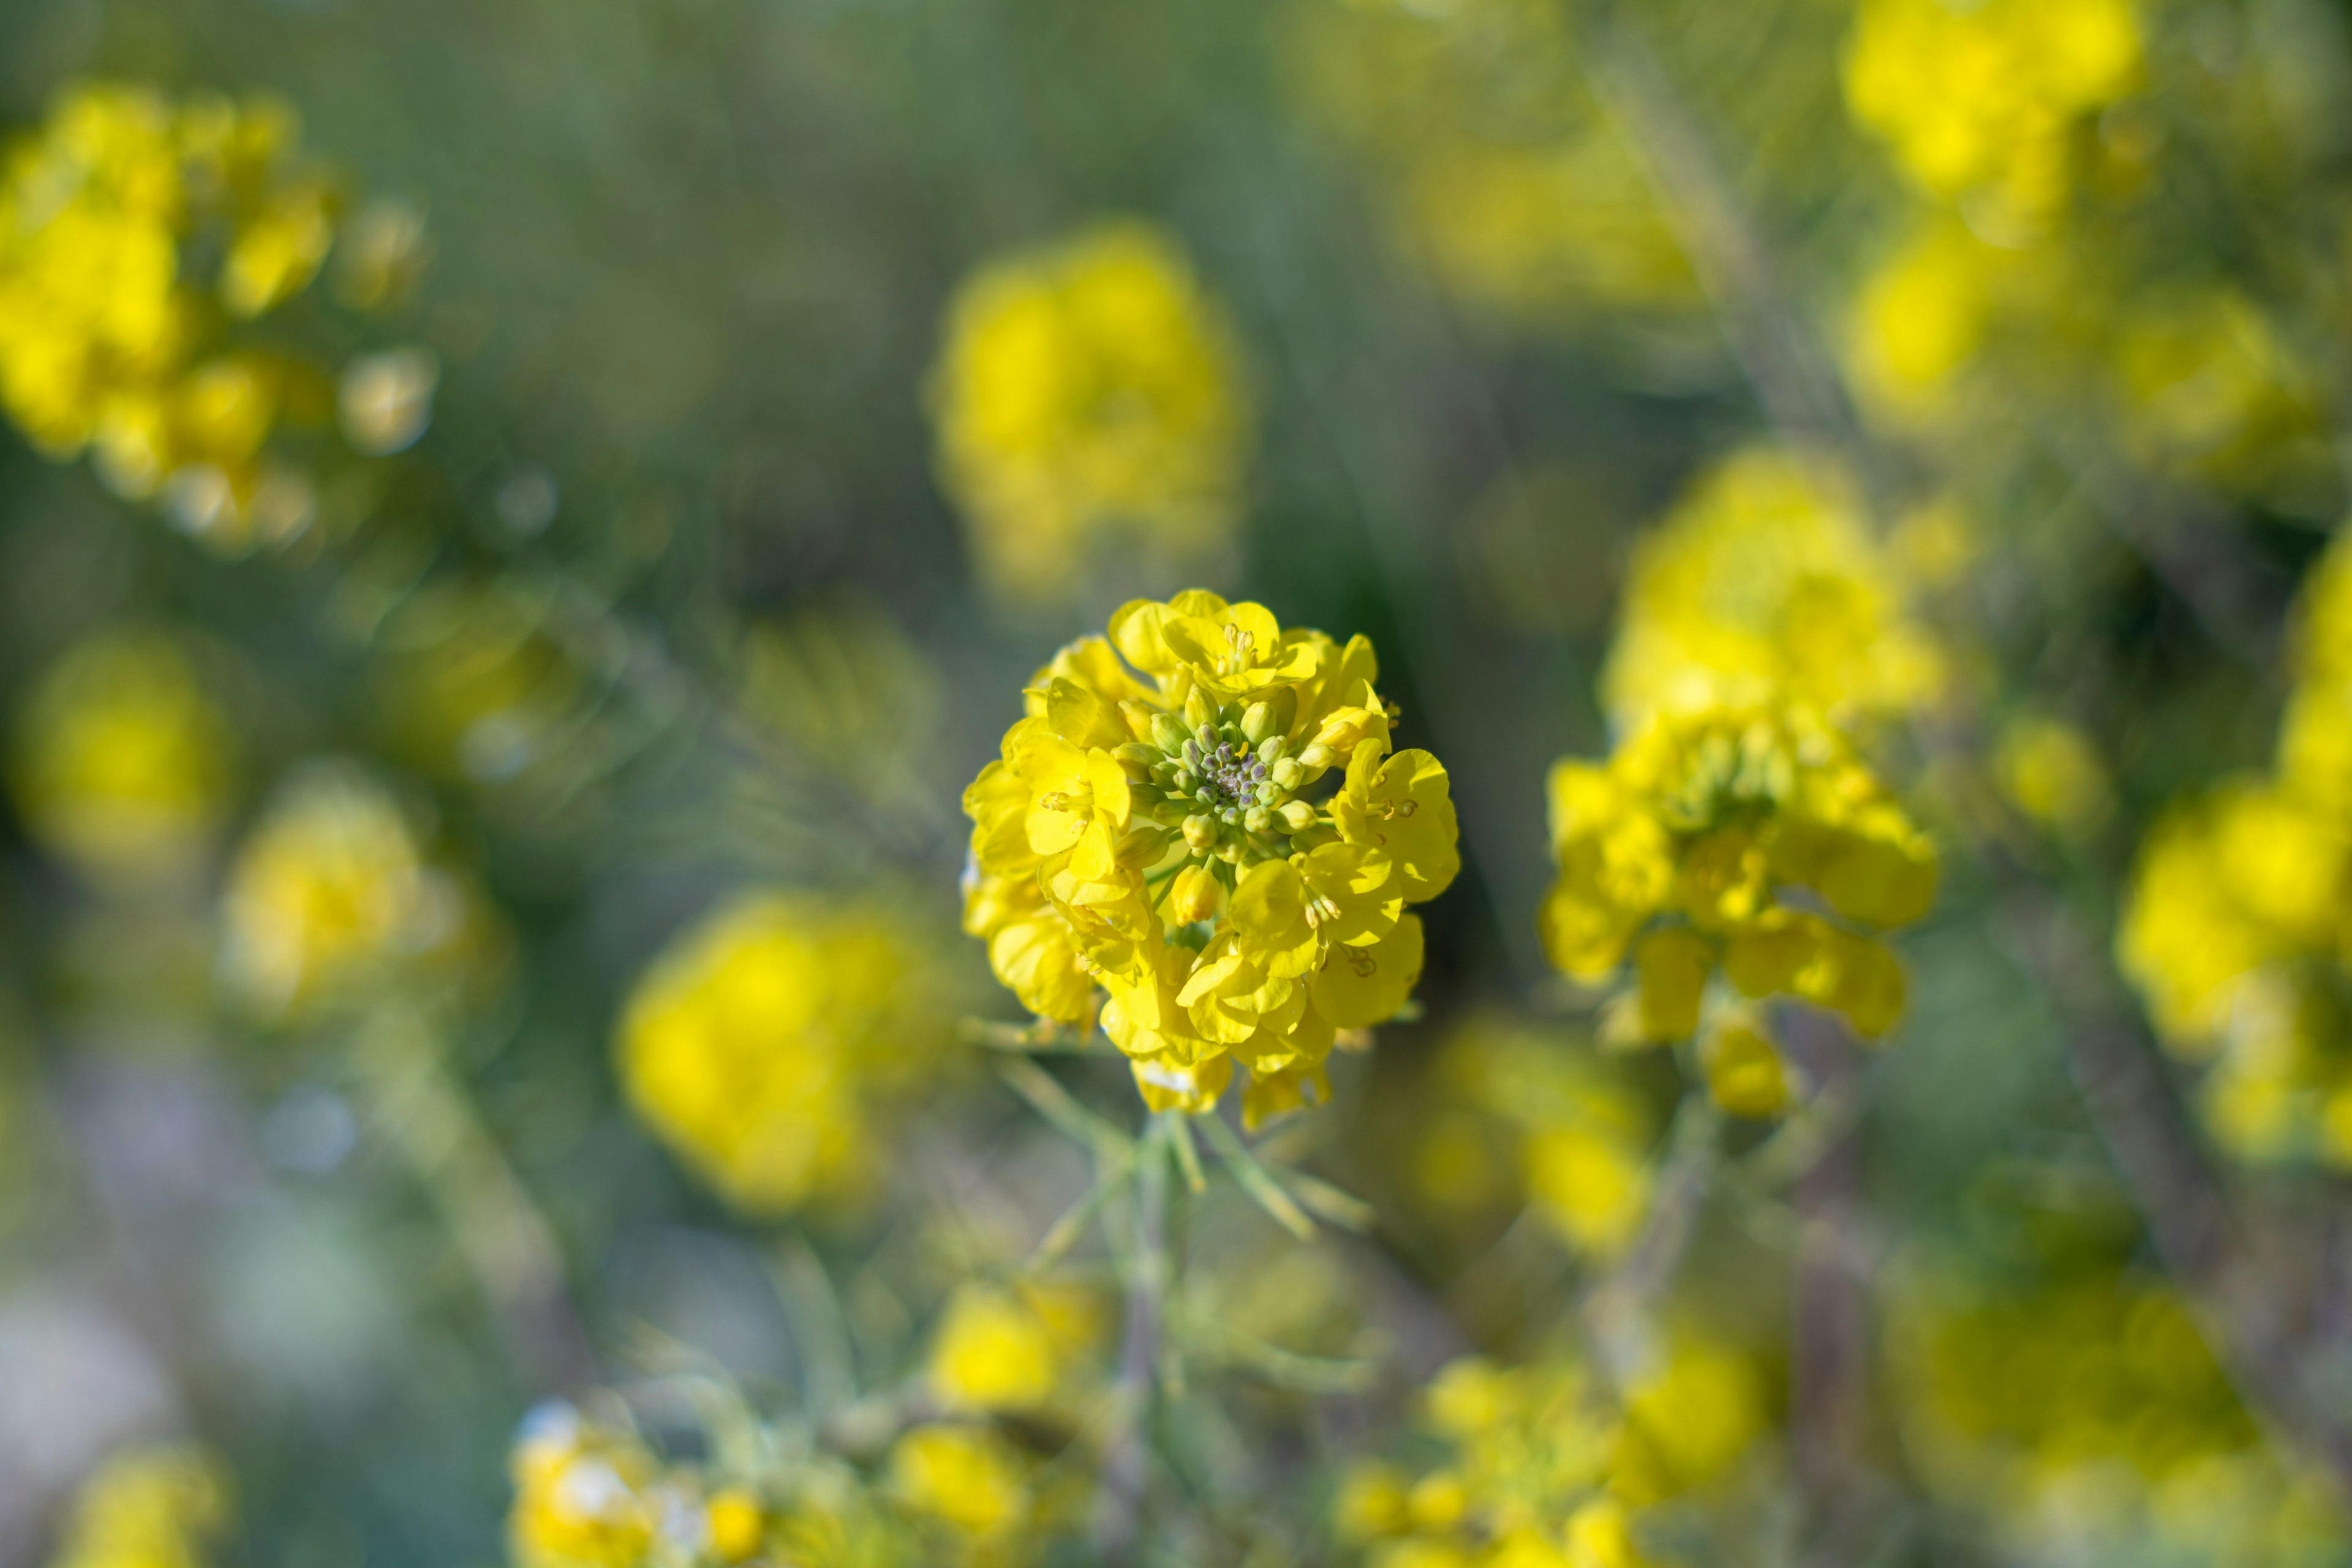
(1119, 1498)
(426, 1116)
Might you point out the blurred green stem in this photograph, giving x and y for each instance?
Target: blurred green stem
(1118, 1497)
(425, 1115)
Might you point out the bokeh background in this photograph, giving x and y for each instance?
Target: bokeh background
(2002, 348)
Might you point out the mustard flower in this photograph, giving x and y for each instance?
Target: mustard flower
(121, 760)
(334, 898)
(160, 1506)
(1548, 1463)
(1216, 834)
(585, 1495)
(1086, 390)
(1011, 1348)
(1763, 583)
(1677, 859)
(138, 236)
(764, 1045)
(1979, 103)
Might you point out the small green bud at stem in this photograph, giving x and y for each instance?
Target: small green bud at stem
(1167, 734)
(1200, 833)
(1297, 816)
(1257, 819)
(1257, 723)
(1287, 773)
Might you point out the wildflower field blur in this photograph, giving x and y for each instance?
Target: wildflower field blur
(1400, 784)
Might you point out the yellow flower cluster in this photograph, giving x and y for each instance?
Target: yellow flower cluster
(592, 1494)
(1979, 102)
(137, 234)
(122, 759)
(1085, 391)
(2236, 930)
(1682, 852)
(1172, 837)
(1546, 1467)
(147, 1508)
(333, 899)
(1763, 583)
(764, 1043)
(1498, 169)
(2086, 1409)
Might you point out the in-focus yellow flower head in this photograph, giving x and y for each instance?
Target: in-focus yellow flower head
(121, 760)
(763, 1044)
(1680, 855)
(1763, 585)
(1086, 391)
(148, 1508)
(333, 898)
(1979, 103)
(139, 234)
(1223, 843)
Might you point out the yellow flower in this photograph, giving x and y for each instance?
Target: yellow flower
(147, 1508)
(2049, 771)
(584, 1494)
(967, 1478)
(1008, 1348)
(1919, 318)
(763, 1044)
(1202, 815)
(1591, 1183)
(332, 898)
(137, 235)
(1688, 839)
(1083, 389)
(121, 760)
(1979, 103)
(1763, 585)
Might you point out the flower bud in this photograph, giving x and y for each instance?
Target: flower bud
(1287, 773)
(1200, 833)
(1257, 819)
(1318, 755)
(1197, 711)
(1187, 780)
(1167, 734)
(1296, 815)
(1269, 749)
(1231, 816)
(1194, 895)
(1257, 723)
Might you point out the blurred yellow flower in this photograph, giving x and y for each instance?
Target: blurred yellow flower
(1763, 585)
(1175, 837)
(137, 234)
(1086, 391)
(967, 1478)
(2049, 770)
(584, 1495)
(1919, 317)
(1979, 103)
(1677, 853)
(332, 898)
(121, 760)
(1010, 1348)
(762, 1045)
(147, 1508)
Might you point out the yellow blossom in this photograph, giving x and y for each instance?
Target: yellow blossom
(1764, 584)
(147, 1508)
(332, 897)
(1978, 102)
(138, 236)
(122, 759)
(968, 1477)
(763, 1044)
(1009, 1348)
(1689, 838)
(1202, 815)
(2049, 770)
(584, 1494)
(1083, 389)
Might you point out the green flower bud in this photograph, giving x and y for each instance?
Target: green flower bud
(1167, 734)
(1269, 749)
(1200, 833)
(1198, 714)
(1297, 815)
(1257, 819)
(1187, 780)
(1318, 755)
(1257, 723)
(1287, 773)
